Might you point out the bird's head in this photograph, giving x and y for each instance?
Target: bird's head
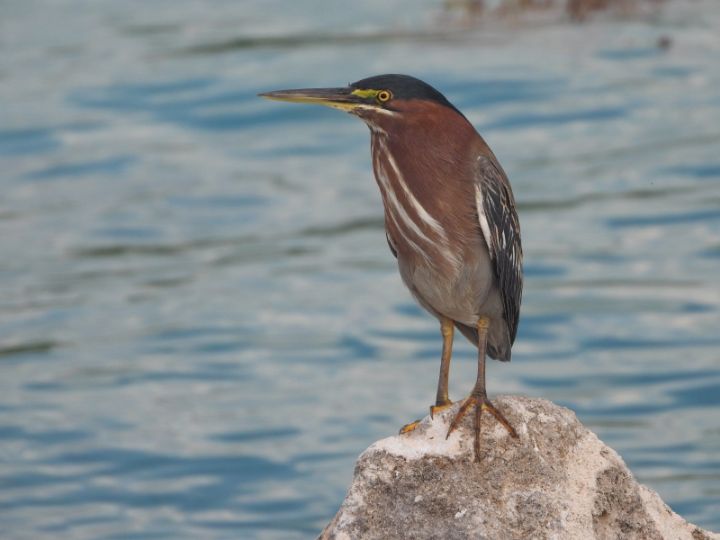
(378, 100)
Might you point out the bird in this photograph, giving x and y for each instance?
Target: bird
(450, 221)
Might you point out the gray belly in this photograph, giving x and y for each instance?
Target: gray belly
(462, 293)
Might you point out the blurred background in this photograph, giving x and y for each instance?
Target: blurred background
(201, 325)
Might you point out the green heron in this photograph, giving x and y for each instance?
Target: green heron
(450, 219)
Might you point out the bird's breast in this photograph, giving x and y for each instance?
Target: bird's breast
(423, 221)
(432, 225)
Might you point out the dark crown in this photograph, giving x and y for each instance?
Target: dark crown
(403, 87)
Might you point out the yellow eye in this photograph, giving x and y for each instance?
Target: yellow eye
(384, 95)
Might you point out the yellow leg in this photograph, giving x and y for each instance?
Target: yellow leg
(478, 397)
(442, 401)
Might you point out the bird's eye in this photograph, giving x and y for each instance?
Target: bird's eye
(384, 95)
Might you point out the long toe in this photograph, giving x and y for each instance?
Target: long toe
(500, 418)
(407, 428)
(480, 403)
(469, 402)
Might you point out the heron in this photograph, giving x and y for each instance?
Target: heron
(450, 221)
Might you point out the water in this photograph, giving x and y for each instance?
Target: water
(200, 323)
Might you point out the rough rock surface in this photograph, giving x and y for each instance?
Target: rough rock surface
(558, 480)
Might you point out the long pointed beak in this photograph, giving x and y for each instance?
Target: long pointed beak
(337, 98)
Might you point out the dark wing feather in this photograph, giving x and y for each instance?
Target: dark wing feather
(501, 230)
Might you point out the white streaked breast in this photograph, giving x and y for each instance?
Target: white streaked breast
(400, 215)
(396, 208)
(433, 223)
(416, 248)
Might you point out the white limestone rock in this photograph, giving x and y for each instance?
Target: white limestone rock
(557, 481)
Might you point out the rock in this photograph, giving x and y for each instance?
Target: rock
(558, 480)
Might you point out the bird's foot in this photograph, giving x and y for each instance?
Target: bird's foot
(407, 428)
(434, 409)
(481, 403)
(439, 407)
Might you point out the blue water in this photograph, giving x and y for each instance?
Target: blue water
(201, 326)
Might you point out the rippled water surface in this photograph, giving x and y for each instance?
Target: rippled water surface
(200, 323)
